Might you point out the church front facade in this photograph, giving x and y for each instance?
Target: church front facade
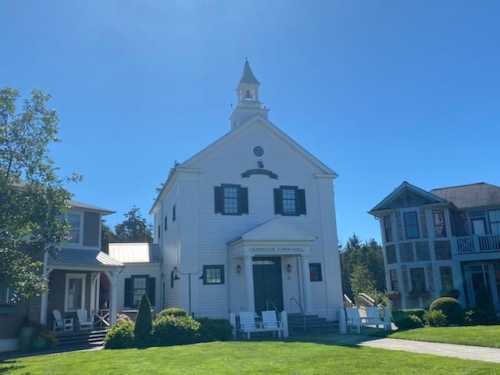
(248, 223)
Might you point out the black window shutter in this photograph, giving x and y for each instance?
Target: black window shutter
(301, 202)
(243, 200)
(219, 199)
(151, 290)
(278, 202)
(129, 292)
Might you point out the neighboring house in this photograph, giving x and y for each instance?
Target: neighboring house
(248, 223)
(79, 277)
(448, 238)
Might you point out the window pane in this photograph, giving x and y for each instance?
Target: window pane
(406, 252)
(74, 221)
(393, 277)
(439, 223)
(139, 289)
(315, 272)
(442, 250)
(75, 290)
(390, 253)
(417, 276)
(422, 249)
(388, 228)
(411, 225)
(494, 221)
(446, 278)
(289, 201)
(214, 275)
(230, 200)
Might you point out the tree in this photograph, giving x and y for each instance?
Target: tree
(107, 236)
(362, 254)
(32, 199)
(144, 322)
(134, 228)
(361, 280)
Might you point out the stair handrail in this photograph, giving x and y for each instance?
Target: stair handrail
(293, 299)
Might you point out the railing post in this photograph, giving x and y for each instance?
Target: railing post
(477, 247)
(284, 323)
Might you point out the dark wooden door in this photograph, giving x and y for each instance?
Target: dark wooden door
(267, 283)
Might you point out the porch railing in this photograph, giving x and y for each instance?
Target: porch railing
(478, 244)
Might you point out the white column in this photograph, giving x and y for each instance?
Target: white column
(306, 282)
(44, 303)
(93, 277)
(113, 308)
(249, 282)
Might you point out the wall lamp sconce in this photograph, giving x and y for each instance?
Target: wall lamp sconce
(289, 268)
(238, 268)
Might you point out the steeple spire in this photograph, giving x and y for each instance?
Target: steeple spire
(248, 98)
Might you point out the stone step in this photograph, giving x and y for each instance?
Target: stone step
(82, 338)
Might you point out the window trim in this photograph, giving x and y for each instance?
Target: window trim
(320, 273)
(417, 225)
(77, 276)
(134, 277)
(80, 234)
(219, 267)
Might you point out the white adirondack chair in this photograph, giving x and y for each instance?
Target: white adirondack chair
(353, 319)
(372, 317)
(61, 324)
(247, 323)
(270, 322)
(83, 319)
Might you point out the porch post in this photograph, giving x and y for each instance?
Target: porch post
(113, 308)
(44, 303)
(249, 281)
(306, 283)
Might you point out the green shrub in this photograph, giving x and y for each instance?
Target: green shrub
(143, 323)
(121, 335)
(215, 329)
(480, 316)
(436, 318)
(451, 308)
(408, 319)
(171, 330)
(172, 311)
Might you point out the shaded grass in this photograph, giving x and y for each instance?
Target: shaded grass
(300, 358)
(488, 336)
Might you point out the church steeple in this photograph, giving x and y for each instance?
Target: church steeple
(248, 98)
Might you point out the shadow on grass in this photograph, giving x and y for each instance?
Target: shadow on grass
(8, 366)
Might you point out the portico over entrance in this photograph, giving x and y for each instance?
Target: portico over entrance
(269, 268)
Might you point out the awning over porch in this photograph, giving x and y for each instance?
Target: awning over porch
(82, 259)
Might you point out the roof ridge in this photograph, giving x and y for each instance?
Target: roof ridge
(460, 186)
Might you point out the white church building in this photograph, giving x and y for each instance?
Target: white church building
(248, 223)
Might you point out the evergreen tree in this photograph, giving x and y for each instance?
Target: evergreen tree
(144, 322)
(134, 228)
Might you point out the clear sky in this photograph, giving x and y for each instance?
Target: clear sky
(381, 91)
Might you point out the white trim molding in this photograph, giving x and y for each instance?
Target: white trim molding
(77, 276)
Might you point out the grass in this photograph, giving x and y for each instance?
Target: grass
(298, 358)
(471, 335)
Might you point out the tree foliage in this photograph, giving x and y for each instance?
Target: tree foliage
(144, 322)
(362, 266)
(32, 199)
(134, 228)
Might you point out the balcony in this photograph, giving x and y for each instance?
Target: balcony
(478, 244)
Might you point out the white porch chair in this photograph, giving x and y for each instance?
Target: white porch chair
(353, 319)
(372, 317)
(270, 322)
(83, 319)
(61, 324)
(247, 323)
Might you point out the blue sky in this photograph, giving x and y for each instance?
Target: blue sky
(381, 91)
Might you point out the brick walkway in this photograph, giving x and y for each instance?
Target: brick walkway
(476, 353)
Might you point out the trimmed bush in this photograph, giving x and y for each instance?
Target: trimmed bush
(144, 322)
(215, 330)
(170, 330)
(173, 311)
(480, 316)
(408, 319)
(451, 308)
(436, 318)
(120, 336)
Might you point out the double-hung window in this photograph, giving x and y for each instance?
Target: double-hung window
(289, 197)
(494, 217)
(75, 221)
(231, 199)
(139, 289)
(446, 278)
(315, 273)
(439, 222)
(418, 284)
(387, 228)
(289, 201)
(411, 225)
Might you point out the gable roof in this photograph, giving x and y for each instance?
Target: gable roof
(232, 134)
(479, 194)
(401, 189)
(276, 229)
(135, 252)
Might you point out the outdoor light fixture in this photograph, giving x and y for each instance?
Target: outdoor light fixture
(238, 268)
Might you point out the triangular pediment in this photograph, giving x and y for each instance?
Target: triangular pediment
(407, 195)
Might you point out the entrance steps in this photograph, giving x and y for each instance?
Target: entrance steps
(81, 339)
(306, 323)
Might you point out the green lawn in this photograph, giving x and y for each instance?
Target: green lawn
(473, 335)
(246, 358)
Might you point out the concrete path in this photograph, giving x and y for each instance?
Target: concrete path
(476, 353)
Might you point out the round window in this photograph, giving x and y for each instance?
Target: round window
(258, 151)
